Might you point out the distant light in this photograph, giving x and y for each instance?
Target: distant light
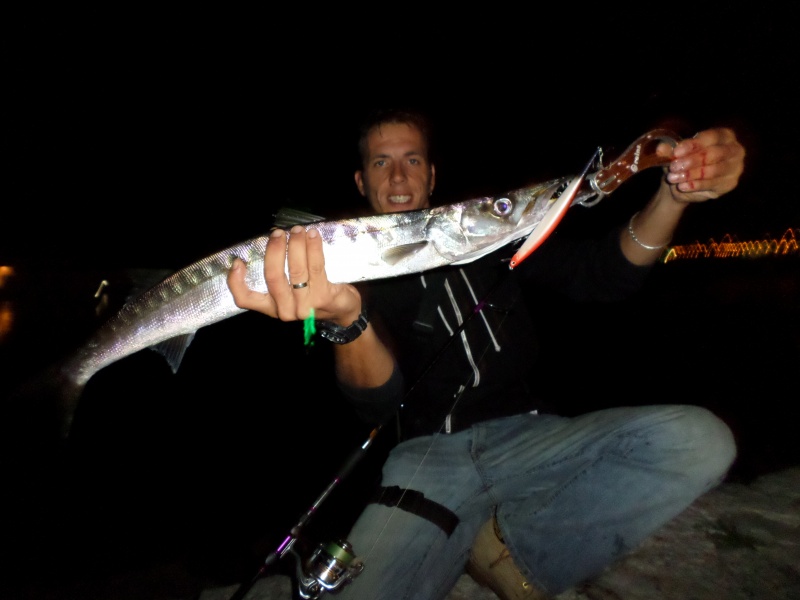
(6, 272)
(730, 247)
(6, 319)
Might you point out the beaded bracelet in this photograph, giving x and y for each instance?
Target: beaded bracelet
(637, 240)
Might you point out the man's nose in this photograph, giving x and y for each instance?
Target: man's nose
(398, 172)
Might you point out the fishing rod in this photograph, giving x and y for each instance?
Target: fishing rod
(334, 564)
(331, 565)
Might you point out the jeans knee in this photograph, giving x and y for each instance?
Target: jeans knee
(715, 442)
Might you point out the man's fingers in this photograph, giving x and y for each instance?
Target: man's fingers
(275, 275)
(298, 262)
(243, 296)
(707, 165)
(316, 256)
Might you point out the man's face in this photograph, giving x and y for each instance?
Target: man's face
(397, 175)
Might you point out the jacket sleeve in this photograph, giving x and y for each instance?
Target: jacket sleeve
(586, 270)
(376, 404)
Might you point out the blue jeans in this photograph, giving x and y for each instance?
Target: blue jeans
(572, 495)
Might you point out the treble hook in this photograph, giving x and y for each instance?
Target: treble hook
(554, 215)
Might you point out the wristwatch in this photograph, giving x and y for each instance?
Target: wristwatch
(343, 335)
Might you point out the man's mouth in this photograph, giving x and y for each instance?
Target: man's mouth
(404, 199)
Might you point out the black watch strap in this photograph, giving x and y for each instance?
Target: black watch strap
(343, 335)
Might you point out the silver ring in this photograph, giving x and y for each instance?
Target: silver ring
(299, 286)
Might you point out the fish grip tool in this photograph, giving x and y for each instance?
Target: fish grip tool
(640, 155)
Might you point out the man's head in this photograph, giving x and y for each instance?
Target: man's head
(396, 171)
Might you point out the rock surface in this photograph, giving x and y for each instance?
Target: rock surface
(737, 542)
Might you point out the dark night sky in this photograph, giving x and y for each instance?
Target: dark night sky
(153, 140)
(158, 141)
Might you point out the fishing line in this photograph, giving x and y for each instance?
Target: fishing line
(477, 309)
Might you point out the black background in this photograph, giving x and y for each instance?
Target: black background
(145, 141)
(155, 139)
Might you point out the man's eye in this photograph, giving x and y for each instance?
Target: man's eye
(380, 163)
(413, 161)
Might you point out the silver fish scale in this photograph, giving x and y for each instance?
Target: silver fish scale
(356, 250)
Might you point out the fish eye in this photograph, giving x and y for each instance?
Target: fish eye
(503, 207)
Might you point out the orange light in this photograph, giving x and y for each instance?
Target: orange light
(730, 247)
(5, 273)
(6, 319)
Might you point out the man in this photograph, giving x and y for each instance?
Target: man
(486, 475)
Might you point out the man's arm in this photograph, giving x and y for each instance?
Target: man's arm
(703, 167)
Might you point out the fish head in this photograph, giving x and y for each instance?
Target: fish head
(467, 230)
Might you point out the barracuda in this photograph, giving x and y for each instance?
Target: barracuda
(167, 316)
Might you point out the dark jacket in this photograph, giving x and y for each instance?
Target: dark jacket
(464, 337)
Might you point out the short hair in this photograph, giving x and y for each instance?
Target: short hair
(409, 116)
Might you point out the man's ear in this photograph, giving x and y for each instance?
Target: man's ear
(360, 182)
(433, 179)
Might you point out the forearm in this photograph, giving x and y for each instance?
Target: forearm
(653, 226)
(365, 362)
(703, 167)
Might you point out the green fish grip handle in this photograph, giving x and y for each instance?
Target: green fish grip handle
(640, 155)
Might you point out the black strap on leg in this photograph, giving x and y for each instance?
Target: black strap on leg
(416, 503)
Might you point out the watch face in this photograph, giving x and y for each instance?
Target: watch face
(343, 335)
(333, 337)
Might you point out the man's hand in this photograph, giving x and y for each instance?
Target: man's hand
(288, 298)
(702, 168)
(705, 166)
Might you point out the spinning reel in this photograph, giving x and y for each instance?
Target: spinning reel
(330, 567)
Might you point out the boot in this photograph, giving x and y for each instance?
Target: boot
(491, 565)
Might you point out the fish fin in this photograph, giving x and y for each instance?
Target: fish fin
(174, 348)
(141, 280)
(138, 281)
(113, 292)
(395, 254)
(287, 217)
